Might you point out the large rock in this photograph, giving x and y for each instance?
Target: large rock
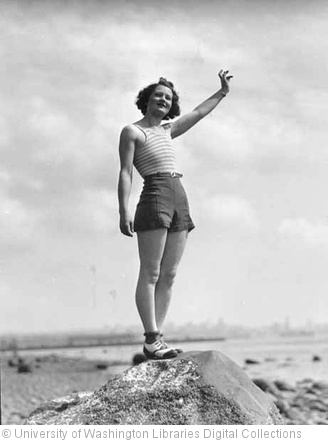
(196, 388)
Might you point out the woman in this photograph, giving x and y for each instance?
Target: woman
(162, 220)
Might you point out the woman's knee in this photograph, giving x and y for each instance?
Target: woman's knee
(167, 276)
(150, 273)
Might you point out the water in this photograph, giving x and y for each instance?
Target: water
(287, 358)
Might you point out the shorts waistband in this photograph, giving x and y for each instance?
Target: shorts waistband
(165, 174)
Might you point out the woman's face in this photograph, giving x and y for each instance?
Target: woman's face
(160, 101)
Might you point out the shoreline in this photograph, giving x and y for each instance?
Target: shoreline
(104, 343)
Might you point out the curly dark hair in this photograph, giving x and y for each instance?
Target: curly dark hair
(144, 95)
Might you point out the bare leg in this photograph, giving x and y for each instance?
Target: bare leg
(151, 248)
(174, 248)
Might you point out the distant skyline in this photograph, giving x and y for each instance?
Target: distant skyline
(255, 170)
(198, 330)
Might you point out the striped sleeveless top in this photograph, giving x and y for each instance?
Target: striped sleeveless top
(158, 153)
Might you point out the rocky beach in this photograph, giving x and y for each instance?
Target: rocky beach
(39, 379)
(33, 380)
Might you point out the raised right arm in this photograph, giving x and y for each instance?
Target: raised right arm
(126, 148)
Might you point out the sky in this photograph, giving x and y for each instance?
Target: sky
(255, 169)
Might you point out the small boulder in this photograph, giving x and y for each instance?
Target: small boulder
(320, 385)
(267, 386)
(249, 361)
(282, 406)
(283, 385)
(317, 404)
(23, 367)
(138, 358)
(101, 366)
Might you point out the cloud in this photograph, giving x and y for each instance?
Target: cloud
(101, 207)
(231, 211)
(17, 223)
(312, 234)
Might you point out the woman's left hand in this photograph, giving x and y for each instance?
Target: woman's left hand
(225, 80)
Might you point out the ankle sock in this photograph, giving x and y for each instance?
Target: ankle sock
(151, 337)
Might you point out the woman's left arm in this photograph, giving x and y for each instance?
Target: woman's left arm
(187, 121)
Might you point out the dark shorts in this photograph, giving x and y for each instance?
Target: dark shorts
(163, 204)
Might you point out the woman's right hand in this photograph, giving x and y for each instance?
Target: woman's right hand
(126, 224)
